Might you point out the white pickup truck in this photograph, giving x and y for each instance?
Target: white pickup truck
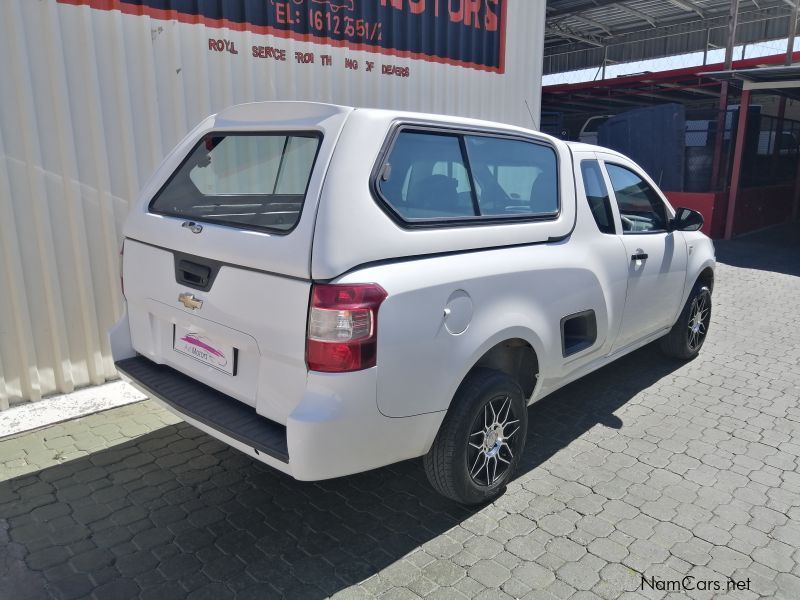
(332, 290)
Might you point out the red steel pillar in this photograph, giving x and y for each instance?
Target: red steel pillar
(716, 165)
(733, 18)
(741, 136)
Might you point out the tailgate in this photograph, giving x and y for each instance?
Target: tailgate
(247, 339)
(217, 251)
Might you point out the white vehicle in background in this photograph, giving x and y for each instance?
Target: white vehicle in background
(332, 290)
(589, 133)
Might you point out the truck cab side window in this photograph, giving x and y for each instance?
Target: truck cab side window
(597, 196)
(640, 207)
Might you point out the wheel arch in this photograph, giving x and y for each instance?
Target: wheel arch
(516, 358)
(706, 277)
(485, 355)
(516, 351)
(699, 270)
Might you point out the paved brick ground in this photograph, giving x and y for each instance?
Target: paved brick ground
(646, 467)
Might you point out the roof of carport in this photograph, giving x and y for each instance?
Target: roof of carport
(764, 78)
(580, 33)
(691, 85)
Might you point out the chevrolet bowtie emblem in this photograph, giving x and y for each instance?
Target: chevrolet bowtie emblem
(189, 301)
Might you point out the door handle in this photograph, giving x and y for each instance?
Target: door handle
(640, 256)
(193, 274)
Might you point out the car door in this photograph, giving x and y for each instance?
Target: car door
(601, 250)
(656, 257)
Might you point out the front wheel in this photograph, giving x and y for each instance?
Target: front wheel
(481, 439)
(689, 332)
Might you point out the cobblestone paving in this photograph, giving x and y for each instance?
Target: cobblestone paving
(647, 467)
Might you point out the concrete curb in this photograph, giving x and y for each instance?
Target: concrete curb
(64, 407)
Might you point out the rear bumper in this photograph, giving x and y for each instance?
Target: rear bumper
(335, 430)
(209, 407)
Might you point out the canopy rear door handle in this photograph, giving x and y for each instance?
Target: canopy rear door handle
(193, 273)
(640, 256)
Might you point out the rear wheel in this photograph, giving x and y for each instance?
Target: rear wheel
(481, 439)
(689, 332)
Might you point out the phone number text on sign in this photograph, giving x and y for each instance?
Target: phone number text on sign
(327, 23)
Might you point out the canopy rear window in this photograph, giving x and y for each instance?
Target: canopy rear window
(256, 181)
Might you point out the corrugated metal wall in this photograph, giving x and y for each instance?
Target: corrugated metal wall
(91, 100)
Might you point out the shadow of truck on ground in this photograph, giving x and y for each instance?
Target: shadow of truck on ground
(176, 511)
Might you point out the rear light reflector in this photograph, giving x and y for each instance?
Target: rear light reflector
(342, 327)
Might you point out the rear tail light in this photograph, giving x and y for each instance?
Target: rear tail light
(342, 327)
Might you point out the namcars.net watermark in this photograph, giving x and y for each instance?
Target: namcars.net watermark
(689, 583)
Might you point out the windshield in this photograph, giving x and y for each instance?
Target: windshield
(256, 181)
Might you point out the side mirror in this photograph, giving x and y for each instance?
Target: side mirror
(686, 219)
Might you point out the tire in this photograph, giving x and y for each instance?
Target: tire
(690, 330)
(454, 465)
